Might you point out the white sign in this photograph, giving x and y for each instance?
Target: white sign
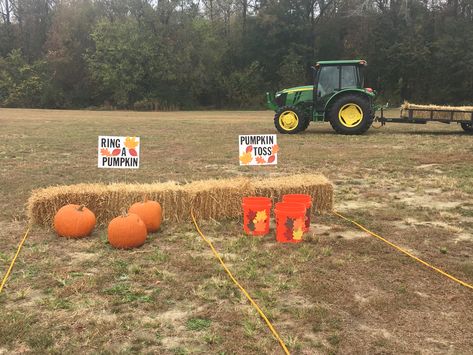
(119, 152)
(258, 149)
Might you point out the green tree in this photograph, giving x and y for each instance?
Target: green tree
(243, 87)
(124, 61)
(22, 84)
(292, 71)
(68, 40)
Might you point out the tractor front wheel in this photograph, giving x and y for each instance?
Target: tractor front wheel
(351, 114)
(289, 120)
(467, 126)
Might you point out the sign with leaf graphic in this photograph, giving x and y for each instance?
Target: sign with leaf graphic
(258, 149)
(119, 152)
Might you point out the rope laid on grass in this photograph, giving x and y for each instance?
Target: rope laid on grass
(247, 295)
(404, 251)
(5, 278)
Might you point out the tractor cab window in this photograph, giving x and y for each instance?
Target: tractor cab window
(328, 80)
(349, 76)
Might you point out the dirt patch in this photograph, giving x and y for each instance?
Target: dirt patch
(464, 237)
(458, 234)
(357, 205)
(413, 223)
(427, 166)
(81, 257)
(335, 232)
(431, 201)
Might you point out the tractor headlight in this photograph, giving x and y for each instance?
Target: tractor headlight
(280, 99)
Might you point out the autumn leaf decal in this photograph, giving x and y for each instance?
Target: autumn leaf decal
(260, 160)
(249, 149)
(288, 234)
(271, 159)
(275, 149)
(131, 142)
(294, 229)
(246, 158)
(297, 234)
(105, 152)
(261, 216)
(289, 223)
(299, 223)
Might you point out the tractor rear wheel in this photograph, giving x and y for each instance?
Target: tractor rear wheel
(351, 114)
(467, 126)
(289, 120)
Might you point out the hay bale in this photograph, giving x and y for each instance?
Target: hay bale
(438, 112)
(210, 199)
(106, 201)
(216, 199)
(317, 186)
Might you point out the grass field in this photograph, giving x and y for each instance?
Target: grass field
(341, 291)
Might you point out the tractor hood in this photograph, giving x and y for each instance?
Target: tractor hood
(296, 89)
(295, 95)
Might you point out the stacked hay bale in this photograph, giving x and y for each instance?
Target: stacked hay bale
(210, 199)
(216, 199)
(106, 201)
(317, 186)
(437, 112)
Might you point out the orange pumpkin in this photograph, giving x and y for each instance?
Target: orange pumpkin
(74, 221)
(127, 231)
(150, 213)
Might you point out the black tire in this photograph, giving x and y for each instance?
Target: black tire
(306, 124)
(289, 120)
(362, 108)
(467, 127)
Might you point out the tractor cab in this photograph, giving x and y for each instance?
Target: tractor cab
(335, 76)
(338, 96)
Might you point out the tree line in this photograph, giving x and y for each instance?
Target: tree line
(185, 54)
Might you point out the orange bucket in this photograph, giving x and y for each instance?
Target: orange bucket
(256, 213)
(301, 198)
(290, 221)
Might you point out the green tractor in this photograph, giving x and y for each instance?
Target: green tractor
(337, 96)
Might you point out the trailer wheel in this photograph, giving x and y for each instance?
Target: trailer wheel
(289, 120)
(351, 114)
(467, 126)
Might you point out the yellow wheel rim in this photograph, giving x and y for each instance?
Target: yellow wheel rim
(288, 120)
(350, 115)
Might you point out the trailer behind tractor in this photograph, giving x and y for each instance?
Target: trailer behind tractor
(339, 96)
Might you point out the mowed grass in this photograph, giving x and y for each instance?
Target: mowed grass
(340, 291)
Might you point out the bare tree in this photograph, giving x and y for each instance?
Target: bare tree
(5, 9)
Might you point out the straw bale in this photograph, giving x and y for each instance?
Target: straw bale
(210, 199)
(106, 201)
(315, 185)
(217, 199)
(441, 112)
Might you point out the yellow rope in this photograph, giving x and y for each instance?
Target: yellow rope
(405, 252)
(270, 326)
(4, 281)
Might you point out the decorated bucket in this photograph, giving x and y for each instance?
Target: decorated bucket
(256, 213)
(301, 198)
(290, 221)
